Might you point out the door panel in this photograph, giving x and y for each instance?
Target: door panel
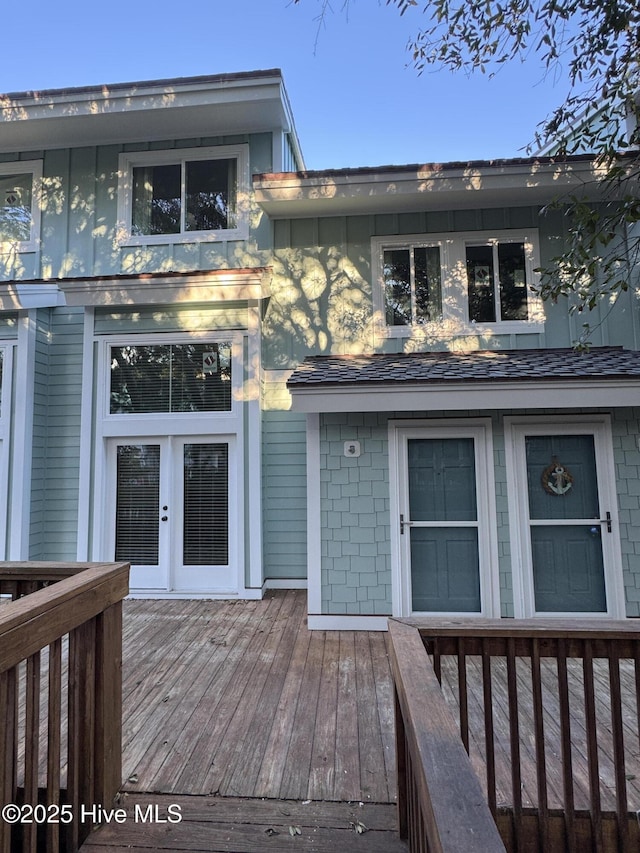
(443, 519)
(566, 545)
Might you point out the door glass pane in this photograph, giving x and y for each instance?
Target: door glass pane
(445, 573)
(137, 503)
(561, 475)
(442, 479)
(568, 569)
(206, 505)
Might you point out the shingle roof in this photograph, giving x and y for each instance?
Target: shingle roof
(483, 366)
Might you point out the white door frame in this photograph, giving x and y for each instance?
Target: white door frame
(516, 428)
(480, 430)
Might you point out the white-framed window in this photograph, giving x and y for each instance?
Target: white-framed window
(20, 189)
(474, 280)
(175, 377)
(183, 195)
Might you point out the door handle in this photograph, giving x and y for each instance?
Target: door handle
(404, 524)
(607, 521)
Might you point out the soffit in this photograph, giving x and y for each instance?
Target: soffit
(136, 112)
(443, 186)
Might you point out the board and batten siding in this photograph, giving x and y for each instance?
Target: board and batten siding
(39, 462)
(79, 218)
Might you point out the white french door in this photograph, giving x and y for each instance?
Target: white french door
(170, 500)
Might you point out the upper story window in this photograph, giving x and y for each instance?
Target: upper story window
(19, 208)
(183, 195)
(476, 281)
(169, 378)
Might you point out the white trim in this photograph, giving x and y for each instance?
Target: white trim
(348, 623)
(314, 527)
(598, 425)
(6, 422)
(22, 461)
(85, 486)
(253, 473)
(463, 396)
(284, 583)
(480, 430)
(130, 159)
(216, 285)
(34, 168)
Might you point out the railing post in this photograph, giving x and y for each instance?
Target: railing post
(401, 769)
(108, 704)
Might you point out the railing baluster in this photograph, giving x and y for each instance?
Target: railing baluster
(592, 748)
(490, 755)
(54, 722)
(541, 762)
(514, 743)
(462, 693)
(618, 749)
(565, 740)
(8, 742)
(31, 750)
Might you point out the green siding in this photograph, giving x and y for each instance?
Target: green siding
(64, 391)
(39, 452)
(172, 318)
(284, 495)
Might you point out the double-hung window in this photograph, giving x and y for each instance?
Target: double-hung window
(20, 183)
(183, 195)
(466, 281)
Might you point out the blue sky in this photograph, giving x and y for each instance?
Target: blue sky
(355, 99)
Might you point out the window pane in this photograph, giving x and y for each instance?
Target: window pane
(480, 280)
(15, 207)
(156, 200)
(211, 195)
(170, 378)
(206, 516)
(428, 290)
(397, 287)
(137, 503)
(513, 281)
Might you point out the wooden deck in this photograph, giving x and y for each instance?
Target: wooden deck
(255, 725)
(229, 700)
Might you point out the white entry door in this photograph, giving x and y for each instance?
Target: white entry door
(564, 516)
(170, 502)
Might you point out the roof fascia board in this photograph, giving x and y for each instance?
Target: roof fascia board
(480, 396)
(354, 191)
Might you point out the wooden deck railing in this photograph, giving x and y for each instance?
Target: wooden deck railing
(554, 721)
(441, 806)
(60, 700)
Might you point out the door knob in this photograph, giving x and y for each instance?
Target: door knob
(164, 518)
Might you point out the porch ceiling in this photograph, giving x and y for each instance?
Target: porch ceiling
(490, 379)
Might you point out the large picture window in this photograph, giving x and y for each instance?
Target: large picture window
(474, 280)
(183, 195)
(168, 378)
(19, 208)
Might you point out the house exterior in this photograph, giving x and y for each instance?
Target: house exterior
(237, 374)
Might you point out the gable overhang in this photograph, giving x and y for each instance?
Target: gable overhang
(445, 186)
(464, 396)
(188, 107)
